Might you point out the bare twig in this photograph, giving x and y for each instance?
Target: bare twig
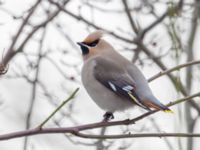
(169, 11)
(10, 53)
(74, 131)
(34, 88)
(171, 77)
(133, 26)
(80, 18)
(161, 73)
(189, 74)
(58, 108)
(139, 135)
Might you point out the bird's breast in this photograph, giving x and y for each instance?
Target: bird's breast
(101, 95)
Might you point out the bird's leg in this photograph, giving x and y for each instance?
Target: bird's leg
(108, 116)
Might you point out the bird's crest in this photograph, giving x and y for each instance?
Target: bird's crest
(94, 36)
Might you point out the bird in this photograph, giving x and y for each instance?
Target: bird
(112, 81)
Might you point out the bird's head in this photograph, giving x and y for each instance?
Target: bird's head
(93, 44)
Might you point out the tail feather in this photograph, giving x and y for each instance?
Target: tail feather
(158, 106)
(168, 111)
(165, 108)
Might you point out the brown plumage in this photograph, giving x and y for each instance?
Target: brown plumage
(94, 36)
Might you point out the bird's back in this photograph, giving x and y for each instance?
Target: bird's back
(134, 72)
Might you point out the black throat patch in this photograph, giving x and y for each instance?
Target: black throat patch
(85, 50)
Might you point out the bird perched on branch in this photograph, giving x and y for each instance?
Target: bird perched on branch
(112, 81)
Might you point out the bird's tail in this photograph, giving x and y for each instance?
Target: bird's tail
(154, 103)
(160, 106)
(167, 110)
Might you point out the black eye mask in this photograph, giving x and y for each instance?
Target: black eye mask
(93, 44)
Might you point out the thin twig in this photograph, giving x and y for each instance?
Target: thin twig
(169, 11)
(34, 87)
(10, 53)
(161, 73)
(173, 79)
(138, 135)
(58, 108)
(80, 18)
(127, 10)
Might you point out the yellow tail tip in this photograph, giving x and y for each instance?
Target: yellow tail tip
(168, 111)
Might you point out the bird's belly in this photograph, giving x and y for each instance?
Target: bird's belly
(102, 96)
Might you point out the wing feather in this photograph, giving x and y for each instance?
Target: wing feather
(117, 80)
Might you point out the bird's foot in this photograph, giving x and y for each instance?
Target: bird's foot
(108, 116)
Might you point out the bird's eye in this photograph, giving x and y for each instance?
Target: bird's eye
(93, 44)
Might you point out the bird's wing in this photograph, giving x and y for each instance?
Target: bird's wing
(117, 80)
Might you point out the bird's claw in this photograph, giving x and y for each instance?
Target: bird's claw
(108, 116)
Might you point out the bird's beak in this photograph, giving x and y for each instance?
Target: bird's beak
(81, 44)
(84, 48)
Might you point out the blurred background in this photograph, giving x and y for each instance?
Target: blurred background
(38, 49)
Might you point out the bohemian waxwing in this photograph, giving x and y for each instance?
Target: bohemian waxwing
(113, 82)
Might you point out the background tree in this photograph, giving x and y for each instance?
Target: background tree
(41, 64)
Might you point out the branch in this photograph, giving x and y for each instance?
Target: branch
(75, 130)
(58, 108)
(79, 18)
(10, 53)
(137, 135)
(170, 11)
(127, 10)
(161, 73)
(34, 87)
(171, 77)
(188, 98)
